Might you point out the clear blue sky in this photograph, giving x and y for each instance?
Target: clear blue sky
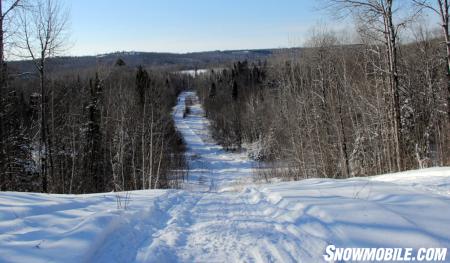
(100, 26)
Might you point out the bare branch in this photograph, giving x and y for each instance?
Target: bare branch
(17, 3)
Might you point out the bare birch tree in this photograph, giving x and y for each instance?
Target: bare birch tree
(43, 34)
(379, 15)
(4, 14)
(441, 8)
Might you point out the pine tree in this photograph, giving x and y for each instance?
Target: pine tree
(142, 84)
(93, 152)
(120, 62)
(212, 91)
(235, 91)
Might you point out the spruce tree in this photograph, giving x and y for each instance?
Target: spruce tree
(212, 91)
(235, 91)
(142, 84)
(93, 152)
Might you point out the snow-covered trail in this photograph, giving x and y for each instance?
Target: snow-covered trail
(284, 222)
(212, 222)
(210, 166)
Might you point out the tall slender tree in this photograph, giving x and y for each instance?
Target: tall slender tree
(441, 8)
(43, 34)
(93, 152)
(379, 14)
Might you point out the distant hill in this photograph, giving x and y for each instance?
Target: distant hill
(147, 59)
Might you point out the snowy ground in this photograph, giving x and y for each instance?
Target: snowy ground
(282, 222)
(211, 168)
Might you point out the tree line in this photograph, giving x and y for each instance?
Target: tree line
(107, 130)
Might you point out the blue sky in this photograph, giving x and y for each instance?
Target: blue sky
(100, 26)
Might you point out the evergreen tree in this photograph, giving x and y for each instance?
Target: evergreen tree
(93, 152)
(142, 84)
(212, 91)
(120, 62)
(235, 91)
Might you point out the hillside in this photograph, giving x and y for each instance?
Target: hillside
(147, 59)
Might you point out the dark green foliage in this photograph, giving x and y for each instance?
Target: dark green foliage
(94, 180)
(120, 62)
(212, 91)
(142, 84)
(235, 91)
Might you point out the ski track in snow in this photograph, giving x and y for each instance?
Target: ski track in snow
(213, 221)
(211, 167)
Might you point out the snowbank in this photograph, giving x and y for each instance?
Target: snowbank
(282, 222)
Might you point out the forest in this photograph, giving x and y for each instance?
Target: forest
(105, 130)
(345, 105)
(97, 129)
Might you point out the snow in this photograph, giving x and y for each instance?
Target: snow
(210, 221)
(194, 72)
(211, 167)
(57, 228)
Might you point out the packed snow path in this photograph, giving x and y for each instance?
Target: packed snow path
(210, 166)
(216, 221)
(284, 222)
